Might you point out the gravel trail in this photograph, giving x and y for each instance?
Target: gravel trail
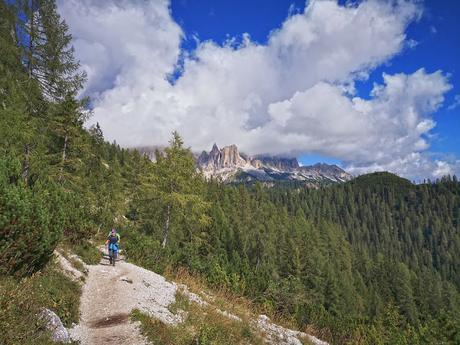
(111, 293)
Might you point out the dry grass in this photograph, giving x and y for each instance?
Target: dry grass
(202, 325)
(228, 300)
(77, 264)
(181, 303)
(220, 298)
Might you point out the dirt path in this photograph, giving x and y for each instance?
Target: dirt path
(111, 293)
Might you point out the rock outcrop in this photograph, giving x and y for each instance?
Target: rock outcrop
(279, 163)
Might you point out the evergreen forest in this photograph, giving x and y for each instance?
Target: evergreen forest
(371, 261)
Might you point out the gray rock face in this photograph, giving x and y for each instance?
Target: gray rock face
(229, 165)
(280, 163)
(227, 157)
(59, 333)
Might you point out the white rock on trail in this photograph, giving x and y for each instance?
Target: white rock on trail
(67, 268)
(279, 335)
(53, 324)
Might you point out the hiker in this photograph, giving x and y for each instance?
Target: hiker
(113, 242)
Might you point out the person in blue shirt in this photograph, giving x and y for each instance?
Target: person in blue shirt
(113, 243)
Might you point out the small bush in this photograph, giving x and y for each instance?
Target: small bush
(88, 253)
(31, 221)
(144, 251)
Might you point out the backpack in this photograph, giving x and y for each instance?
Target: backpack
(113, 239)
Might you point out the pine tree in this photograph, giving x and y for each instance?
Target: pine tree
(67, 119)
(176, 186)
(48, 53)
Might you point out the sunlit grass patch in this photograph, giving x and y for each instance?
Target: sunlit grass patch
(305, 341)
(86, 251)
(181, 303)
(203, 325)
(221, 298)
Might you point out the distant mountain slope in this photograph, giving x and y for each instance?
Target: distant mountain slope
(229, 165)
(381, 178)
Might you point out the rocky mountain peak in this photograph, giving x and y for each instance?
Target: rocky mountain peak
(227, 157)
(229, 165)
(280, 163)
(231, 157)
(214, 150)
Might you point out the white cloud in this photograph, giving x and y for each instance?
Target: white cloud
(289, 96)
(392, 123)
(416, 166)
(122, 44)
(455, 104)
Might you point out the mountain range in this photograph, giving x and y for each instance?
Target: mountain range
(229, 165)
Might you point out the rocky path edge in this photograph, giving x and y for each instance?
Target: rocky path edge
(109, 294)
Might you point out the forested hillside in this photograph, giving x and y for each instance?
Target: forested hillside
(371, 261)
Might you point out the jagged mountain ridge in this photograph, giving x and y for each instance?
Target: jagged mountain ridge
(229, 165)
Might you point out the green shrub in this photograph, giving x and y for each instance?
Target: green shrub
(31, 221)
(144, 251)
(78, 226)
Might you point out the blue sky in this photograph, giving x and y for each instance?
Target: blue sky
(437, 37)
(370, 85)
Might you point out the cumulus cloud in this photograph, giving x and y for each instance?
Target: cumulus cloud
(122, 44)
(292, 95)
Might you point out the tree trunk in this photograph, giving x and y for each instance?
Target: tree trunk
(31, 39)
(64, 149)
(26, 164)
(166, 227)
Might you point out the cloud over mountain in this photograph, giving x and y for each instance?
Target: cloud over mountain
(292, 95)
